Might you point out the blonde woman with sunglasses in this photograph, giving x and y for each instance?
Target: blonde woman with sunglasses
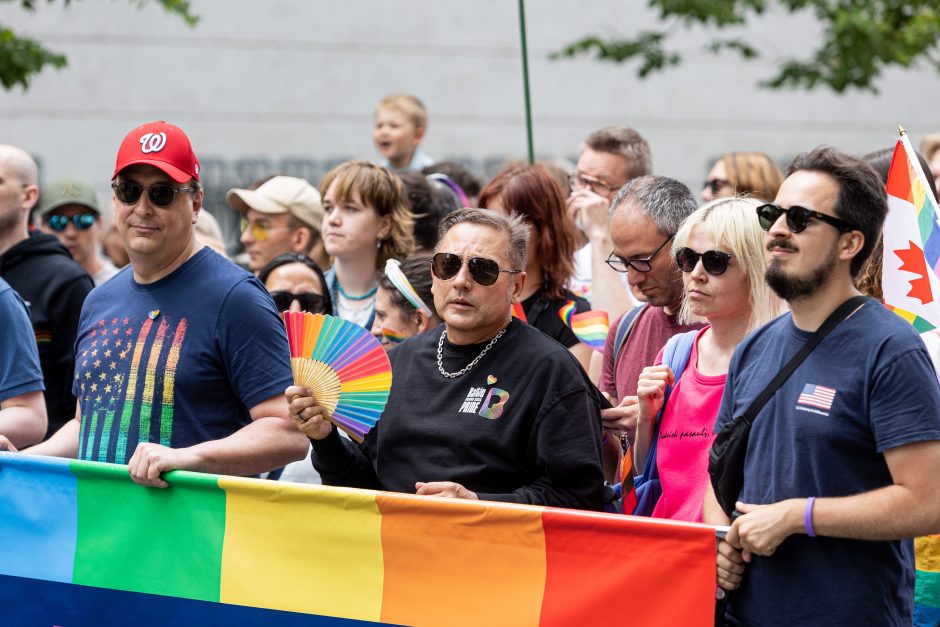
(719, 250)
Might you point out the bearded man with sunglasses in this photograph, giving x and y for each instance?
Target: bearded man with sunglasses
(482, 407)
(181, 359)
(843, 461)
(53, 286)
(68, 210)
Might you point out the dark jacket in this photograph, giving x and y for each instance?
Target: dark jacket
(54, 287)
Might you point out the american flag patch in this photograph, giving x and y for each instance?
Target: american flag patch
(817, 396)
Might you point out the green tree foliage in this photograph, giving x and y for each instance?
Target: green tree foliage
(861, 38)
(21, 57)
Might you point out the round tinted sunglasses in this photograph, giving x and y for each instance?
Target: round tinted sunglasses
(715, 262)
(82, 221)
(797, 218)
(160, 194)
(309, 301)
(483, 271)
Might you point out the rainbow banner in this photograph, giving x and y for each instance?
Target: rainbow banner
(85, 546)
(591, 327)
(911, 242)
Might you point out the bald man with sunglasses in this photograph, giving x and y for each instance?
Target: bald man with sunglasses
(482, 407)
(181, 359)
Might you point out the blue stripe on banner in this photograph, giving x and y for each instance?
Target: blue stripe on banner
(27, 602)
(38, 517)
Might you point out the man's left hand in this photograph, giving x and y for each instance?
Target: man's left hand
(151, 460)
(762, 528)
(444, 488)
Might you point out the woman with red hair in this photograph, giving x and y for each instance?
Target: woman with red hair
(533, 193)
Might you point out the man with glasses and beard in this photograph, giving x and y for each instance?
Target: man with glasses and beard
(484, 406)
(53, 286)
(843, 461)
(180, 362)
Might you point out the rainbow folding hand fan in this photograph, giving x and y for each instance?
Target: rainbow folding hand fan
(344, 365)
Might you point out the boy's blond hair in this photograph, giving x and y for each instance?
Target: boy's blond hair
(407, 104)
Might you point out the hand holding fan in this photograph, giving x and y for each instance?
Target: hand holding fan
(345, 367)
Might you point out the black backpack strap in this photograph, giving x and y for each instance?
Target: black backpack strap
(837, 316)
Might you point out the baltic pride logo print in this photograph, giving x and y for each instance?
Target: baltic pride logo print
(486, 403)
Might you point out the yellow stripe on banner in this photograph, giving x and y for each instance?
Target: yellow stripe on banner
(302, 548)
(927, 553)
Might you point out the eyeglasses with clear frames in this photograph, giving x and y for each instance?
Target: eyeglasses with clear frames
(639, 265)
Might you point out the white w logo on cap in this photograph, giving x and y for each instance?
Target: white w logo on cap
(152, 142)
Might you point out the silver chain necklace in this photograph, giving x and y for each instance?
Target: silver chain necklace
(454, 375)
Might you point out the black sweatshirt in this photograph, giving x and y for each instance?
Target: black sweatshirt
(54, 287)
(522, 426)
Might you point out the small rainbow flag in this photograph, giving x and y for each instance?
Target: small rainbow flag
(519, 312)
(84, 546)
(591, 327)
(395, 337)
(566, 311)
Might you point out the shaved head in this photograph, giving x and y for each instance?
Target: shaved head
(19, 192)
(18, 163)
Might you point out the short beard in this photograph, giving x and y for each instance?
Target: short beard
(791, 288)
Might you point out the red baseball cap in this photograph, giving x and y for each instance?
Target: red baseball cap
(161, 145)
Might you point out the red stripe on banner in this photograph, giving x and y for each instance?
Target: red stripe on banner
(627, 570)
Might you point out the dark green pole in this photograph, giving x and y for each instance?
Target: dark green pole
(525, 81)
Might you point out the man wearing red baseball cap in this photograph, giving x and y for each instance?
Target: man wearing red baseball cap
(181, 363)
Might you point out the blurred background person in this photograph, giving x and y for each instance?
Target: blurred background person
(720, 250)
(743, 174)
(68, 210)
(469, 183)
(404, 305)
(533, 193)
(296, 283)
(366, 223)
(930, 149)
(113, 247)
(429, 201)
(400, 123)
(282, 215)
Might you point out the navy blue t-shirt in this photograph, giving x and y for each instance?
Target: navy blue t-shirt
(868, 387)
(19, 358)
(177, 362)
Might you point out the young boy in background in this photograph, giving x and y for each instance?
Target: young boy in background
(400, 122)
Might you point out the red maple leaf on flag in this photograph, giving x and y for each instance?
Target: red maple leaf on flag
(913, 261)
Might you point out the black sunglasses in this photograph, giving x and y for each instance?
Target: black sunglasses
(640, 265)
(160, 195)
(484, 271)
(309, 301)
(797, 218)
(715, 262)
(81, 221)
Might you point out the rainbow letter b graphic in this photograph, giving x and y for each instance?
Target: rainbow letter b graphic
(498, 397)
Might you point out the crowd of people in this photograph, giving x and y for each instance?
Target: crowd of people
(146, 346)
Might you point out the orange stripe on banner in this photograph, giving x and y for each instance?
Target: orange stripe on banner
(627, 570)
(460, 562)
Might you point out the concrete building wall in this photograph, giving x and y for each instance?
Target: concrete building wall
(289, 86)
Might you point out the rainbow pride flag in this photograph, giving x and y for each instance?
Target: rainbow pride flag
(518, 311)
(85, 546)
(911, 242)
(591, 327)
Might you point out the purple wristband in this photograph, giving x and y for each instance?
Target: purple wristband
(808, 517)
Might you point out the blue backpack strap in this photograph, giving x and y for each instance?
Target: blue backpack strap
(675, 355)
(624, 327)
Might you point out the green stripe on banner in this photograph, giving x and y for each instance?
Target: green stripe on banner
(159, 541)
(927, 589)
